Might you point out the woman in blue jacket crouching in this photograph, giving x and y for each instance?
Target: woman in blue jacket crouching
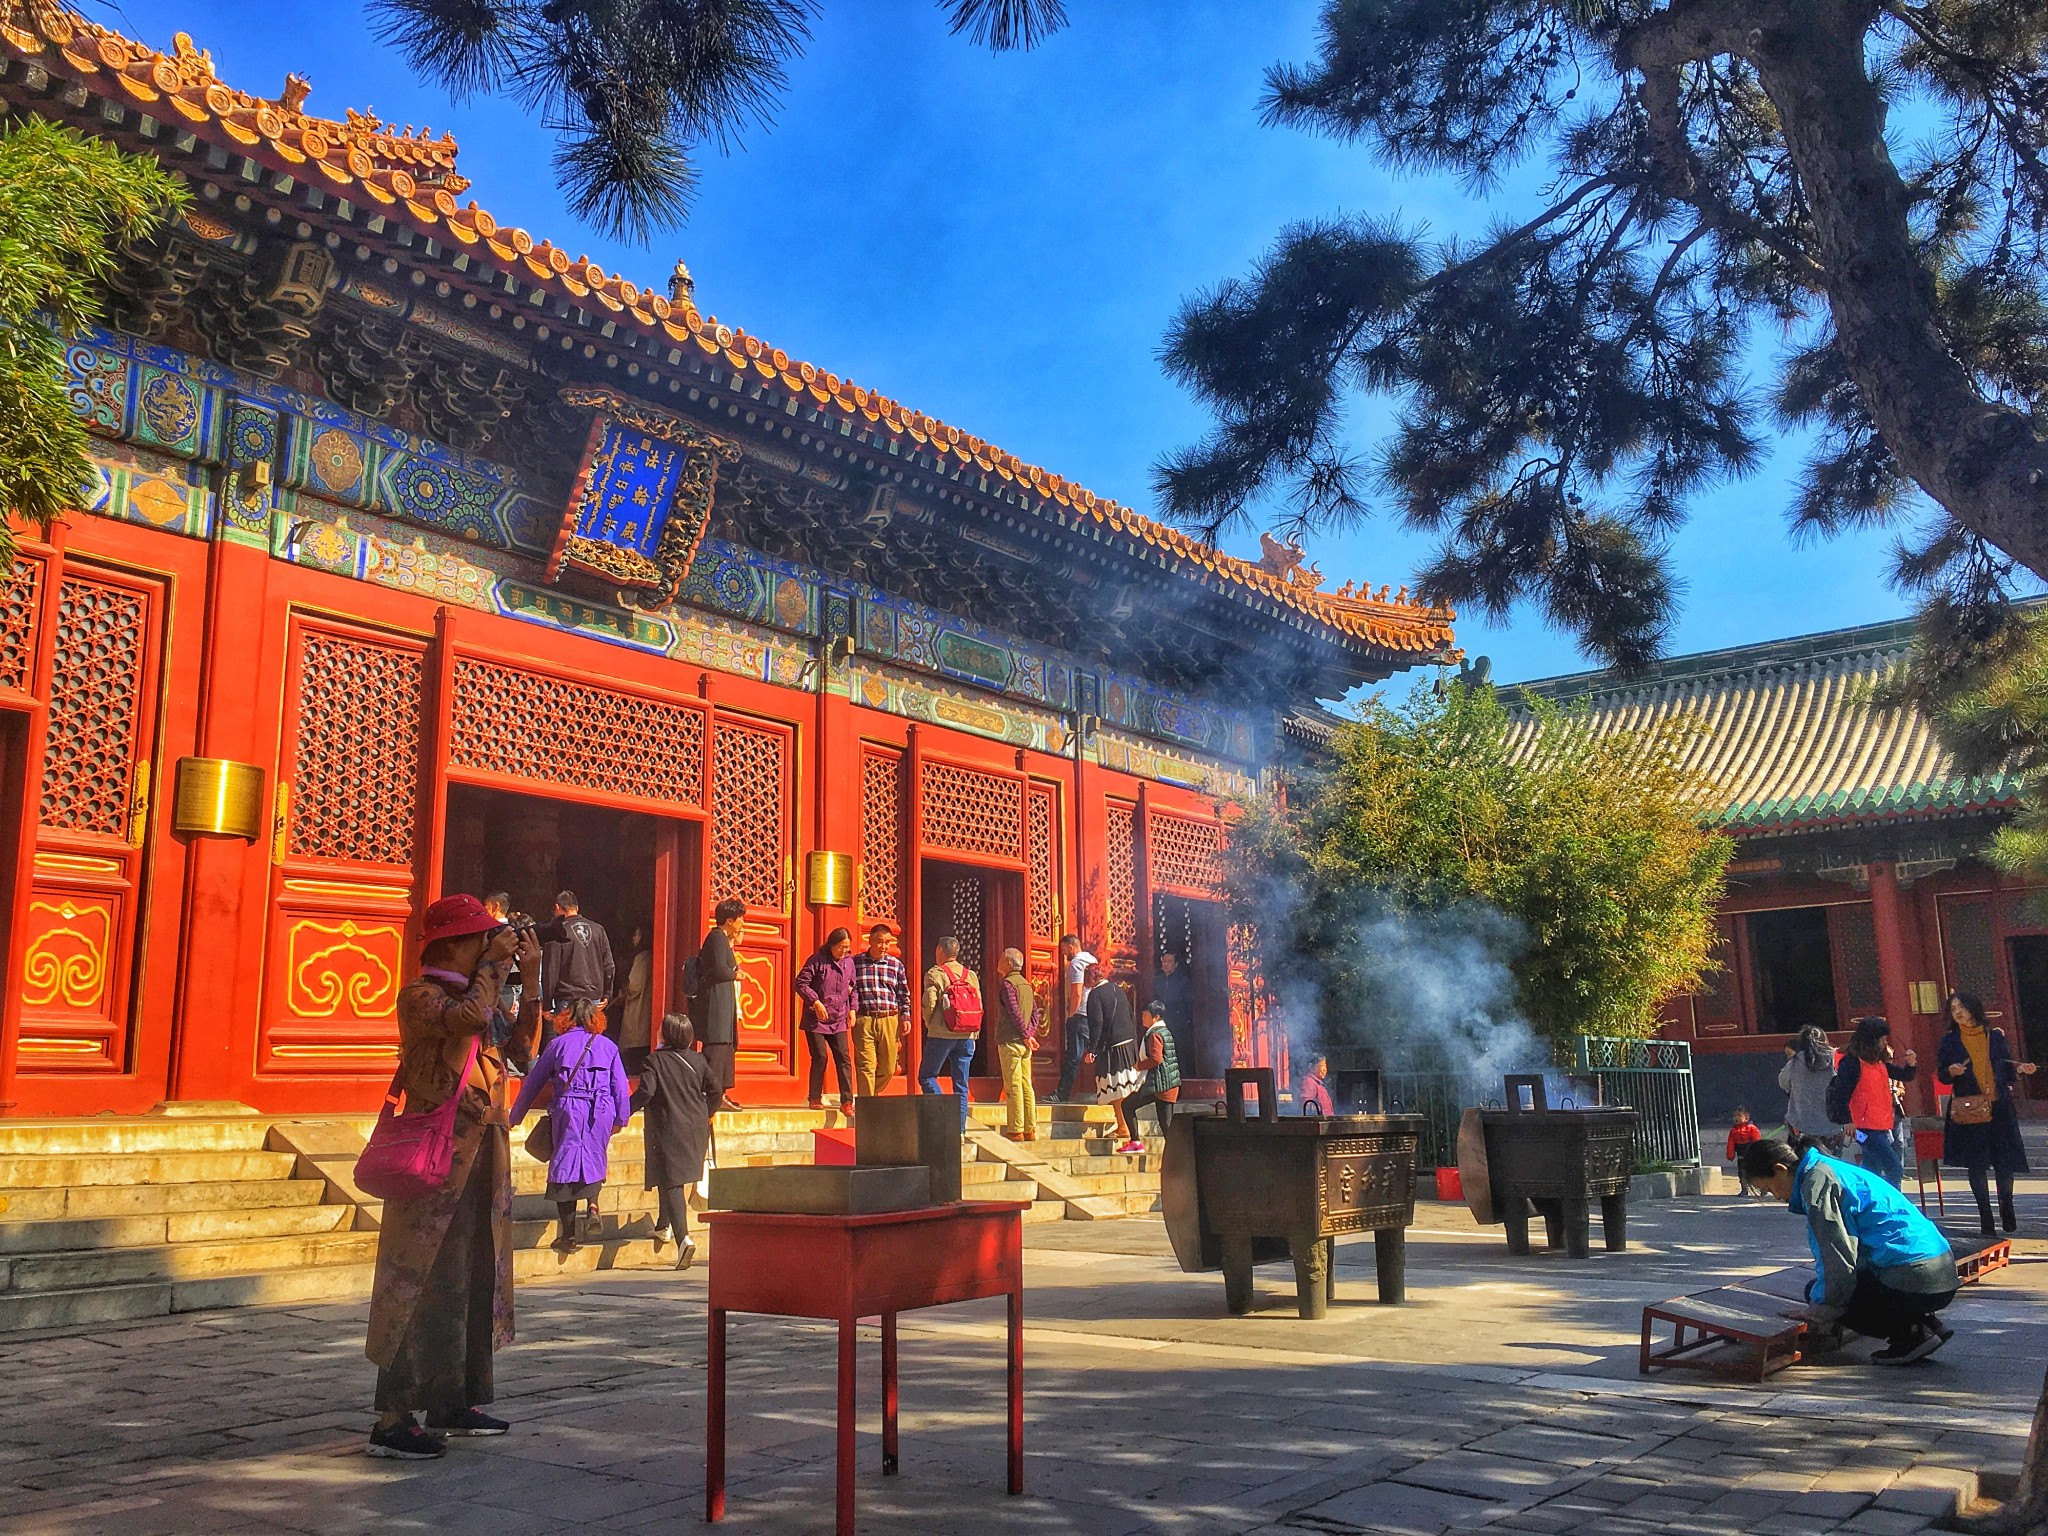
(1881, 1268)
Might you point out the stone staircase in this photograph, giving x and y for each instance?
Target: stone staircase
(109, 1219)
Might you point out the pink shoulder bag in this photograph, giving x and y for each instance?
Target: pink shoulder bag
(409, 1156)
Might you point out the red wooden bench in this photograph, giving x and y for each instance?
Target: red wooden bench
(1744, 1330)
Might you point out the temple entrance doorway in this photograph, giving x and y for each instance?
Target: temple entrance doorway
(1196, 933)
(984, 910)
(630, 871)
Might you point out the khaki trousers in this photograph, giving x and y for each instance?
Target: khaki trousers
(1020, 1117)
(876, 1038)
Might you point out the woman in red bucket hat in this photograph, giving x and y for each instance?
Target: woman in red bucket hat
(442, 1298)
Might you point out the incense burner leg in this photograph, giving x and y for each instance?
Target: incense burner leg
(1614, 1221)
(1576, 1216)
(1237, 1275)
(1514, 1215)
(1390, 1256)
(1311, 1274)
(1553, 1223)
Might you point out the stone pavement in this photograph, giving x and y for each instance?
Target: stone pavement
(1503, 1397)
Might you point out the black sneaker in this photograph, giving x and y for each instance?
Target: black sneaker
(470, 1423)
(1918, 1345)
(406, 1441)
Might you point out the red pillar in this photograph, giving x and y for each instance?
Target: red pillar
(1888, 920)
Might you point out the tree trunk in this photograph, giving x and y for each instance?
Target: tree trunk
(1981, 460)
(2026, 1512)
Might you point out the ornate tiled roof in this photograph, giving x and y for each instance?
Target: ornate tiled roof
(1789, 737)
(410, 176)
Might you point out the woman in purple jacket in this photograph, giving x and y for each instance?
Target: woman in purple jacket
(591, 1104)
(825, 985)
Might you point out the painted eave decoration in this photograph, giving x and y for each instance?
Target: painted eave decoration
(409, 178)
(641, 499)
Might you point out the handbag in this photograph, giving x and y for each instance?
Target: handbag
(540, 1141)
(408, 1156)
(1970, 1109)
(699, 1197)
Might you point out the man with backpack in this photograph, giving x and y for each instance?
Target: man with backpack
(952, 1022)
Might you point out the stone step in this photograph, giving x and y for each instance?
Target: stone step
(83, 1307)
(106, 1201)
(36, 1172)
(173, 1227)
(1081, 1165)
(1045, 1210)
(178, 1262)
(104, 1136)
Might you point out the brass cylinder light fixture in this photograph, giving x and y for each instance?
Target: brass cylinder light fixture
(217, 797)
(829, 879)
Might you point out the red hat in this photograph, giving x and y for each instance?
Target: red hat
(456, 917)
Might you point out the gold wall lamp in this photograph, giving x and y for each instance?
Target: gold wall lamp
(829, 879)
(217, 797)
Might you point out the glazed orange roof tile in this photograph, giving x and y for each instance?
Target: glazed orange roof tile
(412, 174)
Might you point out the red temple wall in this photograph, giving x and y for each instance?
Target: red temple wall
(146, 965)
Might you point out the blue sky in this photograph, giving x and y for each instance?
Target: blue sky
(1001, 241)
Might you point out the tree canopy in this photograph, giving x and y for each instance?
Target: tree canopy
(1859, 184)
(67, 204)
(1575, 857)
(632, 89)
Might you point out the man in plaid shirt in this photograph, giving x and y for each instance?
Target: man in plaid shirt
(881, 1001)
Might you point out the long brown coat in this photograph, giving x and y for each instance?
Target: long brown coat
(437, 1020)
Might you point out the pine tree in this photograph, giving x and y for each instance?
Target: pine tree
(67, 204)
(631, 88)
(1859, 184)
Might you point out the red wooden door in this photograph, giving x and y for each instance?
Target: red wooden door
(753, 859)
(84, 931)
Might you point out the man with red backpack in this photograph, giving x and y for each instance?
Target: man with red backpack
(952, 1022)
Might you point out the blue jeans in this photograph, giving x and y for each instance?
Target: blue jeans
(949, 1058)
(1881, 1157)
(1071, 1052)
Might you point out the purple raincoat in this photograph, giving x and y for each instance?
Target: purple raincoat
(591, 1103)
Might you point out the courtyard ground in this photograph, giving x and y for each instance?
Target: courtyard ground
(1502, 1396)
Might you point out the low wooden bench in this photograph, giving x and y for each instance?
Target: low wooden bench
(1743, 1330)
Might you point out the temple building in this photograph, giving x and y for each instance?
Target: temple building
(1857, 885)
(424, 556)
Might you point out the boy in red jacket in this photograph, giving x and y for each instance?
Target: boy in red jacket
(1741, 1136)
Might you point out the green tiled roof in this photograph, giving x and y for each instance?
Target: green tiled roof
(1790, 738)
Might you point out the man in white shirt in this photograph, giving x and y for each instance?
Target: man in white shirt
(1074, 964)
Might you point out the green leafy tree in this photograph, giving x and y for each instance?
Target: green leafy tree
(67, 204)
(1859, 185)
(633, 88)
(1577, 856)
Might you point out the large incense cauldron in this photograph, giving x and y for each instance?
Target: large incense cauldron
(1558, 1160)
(1239, 1192)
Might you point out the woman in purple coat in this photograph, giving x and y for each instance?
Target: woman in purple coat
(825, 987)
(591, 1104)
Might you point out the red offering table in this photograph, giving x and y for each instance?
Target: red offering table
(850, 1267)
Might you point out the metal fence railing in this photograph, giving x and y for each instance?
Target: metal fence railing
(1652, 1077)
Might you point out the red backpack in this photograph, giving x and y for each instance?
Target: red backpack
(960, 1003)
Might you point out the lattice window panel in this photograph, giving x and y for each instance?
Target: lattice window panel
(1187, 854)
(1041, 878)
(95, 707)
(746, 816)
(1719, 1000)
(355, 791)
(21, 603)
(1972, 951)
(1122, 861)
(971, 812)
(528, 725)
(967, 926)
(881, 837)
(1854, 936)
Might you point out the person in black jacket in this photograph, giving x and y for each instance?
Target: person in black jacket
(1112, 1048)
(715, 1007)
(1975, 1062)
(576, 958)
(680, 1093)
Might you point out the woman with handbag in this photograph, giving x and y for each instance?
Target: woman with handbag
(591, 1102)
(679, 1093)
(1982, 1136)
(441, 1301)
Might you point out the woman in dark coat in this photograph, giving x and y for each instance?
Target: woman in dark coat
(1974, 1059)
(678, 1089)
(1112, 1047)
(715, 1010)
